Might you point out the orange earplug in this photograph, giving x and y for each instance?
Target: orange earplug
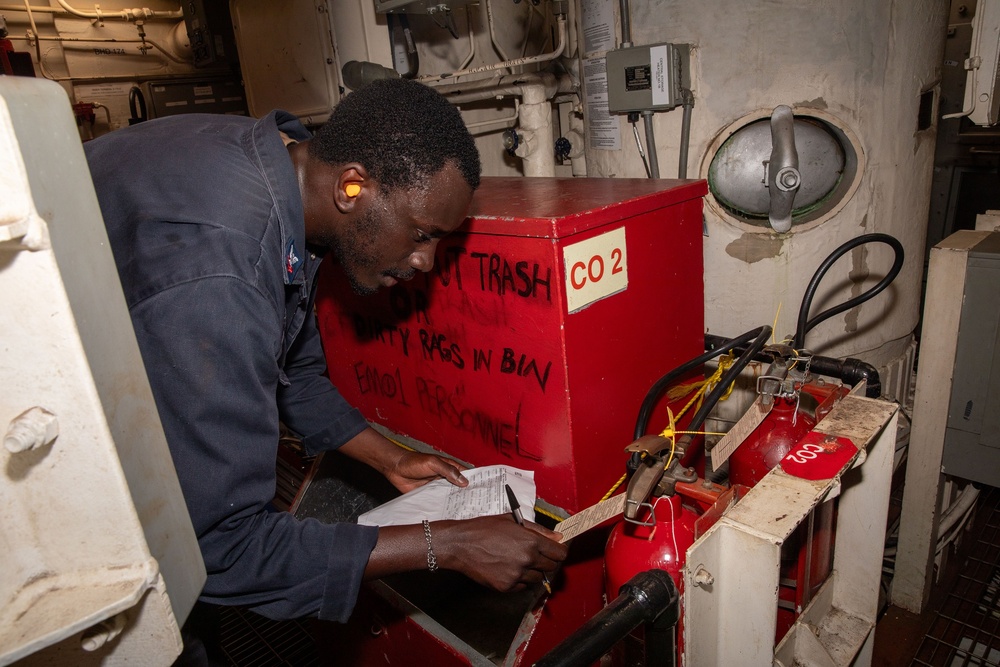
(352, 189)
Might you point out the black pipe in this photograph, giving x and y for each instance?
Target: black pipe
(850, 371)
(649, 597)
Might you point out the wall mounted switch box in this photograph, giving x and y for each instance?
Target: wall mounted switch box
(647, 78)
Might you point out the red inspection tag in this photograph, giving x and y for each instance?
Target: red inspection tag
(818, 456)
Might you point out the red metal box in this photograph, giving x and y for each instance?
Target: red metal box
(547, 317)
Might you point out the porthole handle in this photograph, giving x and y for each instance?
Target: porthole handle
(783, 178)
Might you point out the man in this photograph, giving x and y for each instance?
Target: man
(218, 225)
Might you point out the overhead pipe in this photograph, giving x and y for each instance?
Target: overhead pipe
(133, 14)
(510, 85)
(40, 10)
(110, 40)
(486, 8)
(472, 42)
(649, 598)
(125, 14)
(33, 35)
(545, 57)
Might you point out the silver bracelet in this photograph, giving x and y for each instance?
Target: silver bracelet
(432, 561)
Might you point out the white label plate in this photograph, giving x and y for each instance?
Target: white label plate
(595, 268)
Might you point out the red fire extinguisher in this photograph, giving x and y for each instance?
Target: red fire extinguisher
(807, 556)
(660, 542)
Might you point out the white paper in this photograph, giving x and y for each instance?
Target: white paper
(598, 23)
(603, 127)
(440, 499)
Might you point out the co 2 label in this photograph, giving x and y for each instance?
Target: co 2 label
(595, 268)
(818, 456)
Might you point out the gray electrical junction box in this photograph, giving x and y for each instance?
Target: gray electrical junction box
(972, 437)
(646, 78)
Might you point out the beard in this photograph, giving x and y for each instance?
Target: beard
(358, 254)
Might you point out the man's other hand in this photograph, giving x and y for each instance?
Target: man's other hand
(413, 469)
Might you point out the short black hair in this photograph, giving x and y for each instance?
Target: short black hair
(401, 131)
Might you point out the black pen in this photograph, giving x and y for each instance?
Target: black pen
(515, 509)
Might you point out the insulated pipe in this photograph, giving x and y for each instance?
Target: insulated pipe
(577, 139)
(649, 597)
(538, 140)
(536, 131)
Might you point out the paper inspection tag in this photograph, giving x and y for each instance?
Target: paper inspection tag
(740, 431)
(593, 516)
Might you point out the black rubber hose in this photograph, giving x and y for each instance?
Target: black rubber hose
(805, 324)
(851, 371)
(727, 379)
(649, 597)
(656, 391)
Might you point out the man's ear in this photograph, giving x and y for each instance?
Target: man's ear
(353, 185)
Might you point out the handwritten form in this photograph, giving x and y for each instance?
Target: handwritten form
(484, 496)
(441, 499)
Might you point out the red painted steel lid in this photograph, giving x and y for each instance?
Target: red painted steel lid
(558, 207)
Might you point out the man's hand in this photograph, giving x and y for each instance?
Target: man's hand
(413, 469)
(405, 469)
(498, 553)
(491, 550)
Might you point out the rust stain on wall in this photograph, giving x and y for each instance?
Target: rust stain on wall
(752, 248)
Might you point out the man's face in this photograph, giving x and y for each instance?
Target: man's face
(397, 233)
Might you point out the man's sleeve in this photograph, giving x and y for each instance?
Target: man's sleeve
(310, 405)
(209, 347)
